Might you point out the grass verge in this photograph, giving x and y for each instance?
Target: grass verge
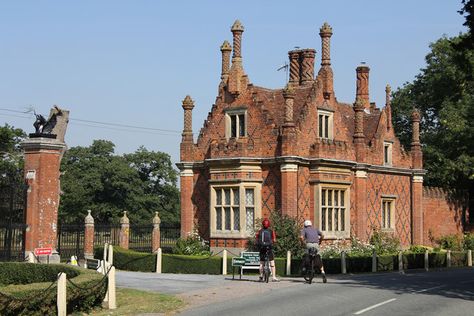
(135, 302)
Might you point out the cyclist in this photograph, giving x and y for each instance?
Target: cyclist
(312, 237)
(265, 239)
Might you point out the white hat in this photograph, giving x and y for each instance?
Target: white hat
(307, 223)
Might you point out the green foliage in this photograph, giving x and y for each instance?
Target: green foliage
(191, 245)
(451, 242)
(287, 230)
(95, 178)
(417, 249)
(37, 299)
(359, 248)
(444, 94)
(468, 242)
(384, 242)
(25, 273)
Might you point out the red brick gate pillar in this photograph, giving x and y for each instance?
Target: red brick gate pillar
(124, 231)
(42, 163)
(155, 238)
(89, 236)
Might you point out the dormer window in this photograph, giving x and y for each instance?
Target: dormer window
(387, 153)
(325, 120)
(236, 126)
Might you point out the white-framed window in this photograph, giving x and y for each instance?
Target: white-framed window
(234, 209)
(236, 123)
(325, 123)
(387, 153)
(388, 213)
(333, 210)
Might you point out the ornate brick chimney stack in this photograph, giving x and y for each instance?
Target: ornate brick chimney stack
(362, 86)
(417, 155)
(294, 56)
(225, 50)
(236, 71)
(359, 138)
(187, 142)
(388, 107)
(307, 65)
(325, 72)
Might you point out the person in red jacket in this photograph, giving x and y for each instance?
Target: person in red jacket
(265, 239)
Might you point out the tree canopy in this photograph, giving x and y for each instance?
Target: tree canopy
(95, 178)
(444, 94)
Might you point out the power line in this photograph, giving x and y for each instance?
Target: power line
(102, 123)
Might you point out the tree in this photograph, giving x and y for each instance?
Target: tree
(95, 178)
(444, 94)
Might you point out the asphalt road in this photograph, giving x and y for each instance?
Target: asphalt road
(448, 292)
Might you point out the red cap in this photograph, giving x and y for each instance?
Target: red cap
(266, 223)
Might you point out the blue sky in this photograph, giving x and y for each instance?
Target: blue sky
(133, 62)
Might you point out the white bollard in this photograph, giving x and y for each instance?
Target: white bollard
(224, 262)
(31, 257)
(288, 262)
(400, 261)
(158, 260)
(469, 258)
(374, 262)
(110, 258)
(343, 263)
(427, 261)
(61, 295)
(111, 298)
(106, 246)
(448, 258)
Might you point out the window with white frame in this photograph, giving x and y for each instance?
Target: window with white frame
(388, 214)
(387, 153)
(234, 210)
(325, 120)
(334, 214)
(236, 124)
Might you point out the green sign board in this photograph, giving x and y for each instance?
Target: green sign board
(238, 262)
(251, 258)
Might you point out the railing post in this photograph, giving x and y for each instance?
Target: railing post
(374, 261)
(448, 258)
(224, 262)
(400, 261)
(124, 231)
(156, 234)
(61, 295)
(288, 262)
(158, 261)
(469, 258)
(343, 262)
(110, 259)
(427, 261)
(111, 298)
(89, 236)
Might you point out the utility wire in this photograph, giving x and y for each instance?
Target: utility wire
(100, 123)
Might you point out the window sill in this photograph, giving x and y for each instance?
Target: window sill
(336, 235)
(229, 234)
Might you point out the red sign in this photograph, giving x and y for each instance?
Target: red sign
(43, 251)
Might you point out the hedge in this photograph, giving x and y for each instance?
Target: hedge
(87, 291)
(137, 261)
(26, 273)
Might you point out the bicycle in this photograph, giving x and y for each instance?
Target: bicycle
(314, 260)
(266, 266)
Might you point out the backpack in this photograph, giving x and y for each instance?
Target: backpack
(265, 238)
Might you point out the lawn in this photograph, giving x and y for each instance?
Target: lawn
(134, 302)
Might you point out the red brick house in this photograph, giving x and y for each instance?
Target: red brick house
(301, 151)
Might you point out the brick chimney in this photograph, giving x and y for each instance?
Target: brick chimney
(236, 70)
(294, 56)
(187, 142)
(362, 85)
(301, 66)
(417, 157)
(225, 50)
(388, 107)
(326, 73)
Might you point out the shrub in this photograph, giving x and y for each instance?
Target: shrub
(468, 242)
(87, 291)
(191, 245)
(359, 248)
(384, 242)
(417, 249)
(26, 273)
(451, 242)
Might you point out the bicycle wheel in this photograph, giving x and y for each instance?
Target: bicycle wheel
(266, 271)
